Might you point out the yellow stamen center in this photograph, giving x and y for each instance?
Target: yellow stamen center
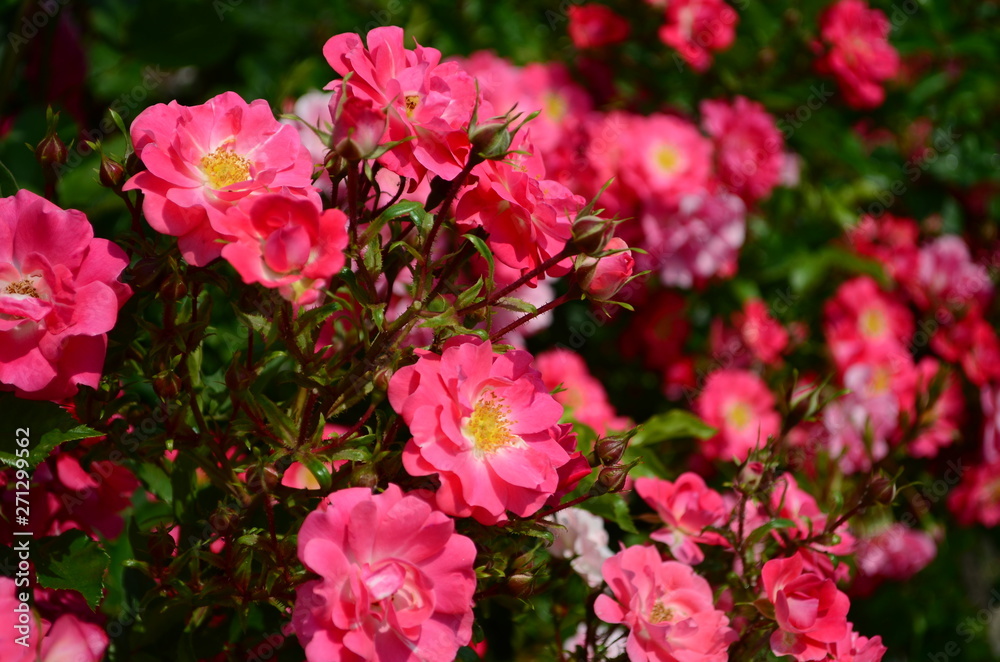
(660, 614)
(22, 286)
(555, 107)
(489, 427)
(225, 167)
(412, 101)
(667, 158)
(740, 415)
(873, 323)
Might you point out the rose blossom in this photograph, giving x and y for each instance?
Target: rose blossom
(666, 606)
(855, 648)
(668, 156)
(287, 242)
(895, 553)
(761, 333)
(738, 404)
(396, 581)
(696, 27)
(811, 612)
(64, 638)
(591, 26)
(687, 507)
(486, 425)
(859, 55)
(203, 160)
(421, 96)
(582, 395)
(863, 322)
(59, 297)
(749, 148)
(977, 497)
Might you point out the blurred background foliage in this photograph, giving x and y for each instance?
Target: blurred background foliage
(83, 56)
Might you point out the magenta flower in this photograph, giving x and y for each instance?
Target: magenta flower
(601, 278)
(287, 242)
(667, 608)
(687, 507)
(582, 395)
(810, 610)
(59, 297)
(65, 638)
(203, 160)
(396, 581)
(860, 56)
(422, 97)
(749, 148)
(592, 26)
(485, 424)
(738, 404)
(695, 28)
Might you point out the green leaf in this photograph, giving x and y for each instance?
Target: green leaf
(467, 297)
(611, 507)
(47, 425)
(414, 210)
(8, 185)
(72, 561)
(757, 534)
(483, 250)
(674, 424)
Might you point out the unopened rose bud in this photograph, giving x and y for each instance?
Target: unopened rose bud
(749, 477)
(112, 174)
(146, 272)
(167, 385)
(590, 234)
(612, 479)
(51, 151)
(358, 129)
(262, 479)
(490, 140)
(609, 450)
(161, 546)
(173, 288)
(880, 491)
(364, 475)
(223, 520)
(601, 278)
(520, 584)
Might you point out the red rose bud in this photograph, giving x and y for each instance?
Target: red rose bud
(592, 26)
(112, 174)
(749, 477)
(612, 479)
(358, 129)
(601, 278)
(610, 449)
(51, 151)
(590, 234)
(262, 479)
(881, 490)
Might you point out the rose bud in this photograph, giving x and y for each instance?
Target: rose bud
(590, 234)
(601, 278)
(358, 129)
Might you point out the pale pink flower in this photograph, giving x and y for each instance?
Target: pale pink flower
(695, 28)
(59, 297)
(946, 277)
(424, 98)
(667, 607)
(696, 240)
(288, 243)
(811, 612)
(896, 553)
(687, 507)
(749, 148)
(486, 425)
(582, 538)
(741, 407)
(583, 396)
(204, 160)
(396, 581)
(859, 54)
(313, 108)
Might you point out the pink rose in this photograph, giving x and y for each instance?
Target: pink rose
(749, 148)
(666, 606)
(422, 97)
(592, 26)
(738, 404)
(687, 507)
(696, 27)
(601, 278)
(977, 497)
(287, 242)
(396, 581)
(666, 156)
(582, 395)
(863, 321)
(204, 160)
(859, 56)
(59, 297)
(761, 333)
(855, 648)
(486, 425)
(358, 128)
(65, 638)
(811, 612)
